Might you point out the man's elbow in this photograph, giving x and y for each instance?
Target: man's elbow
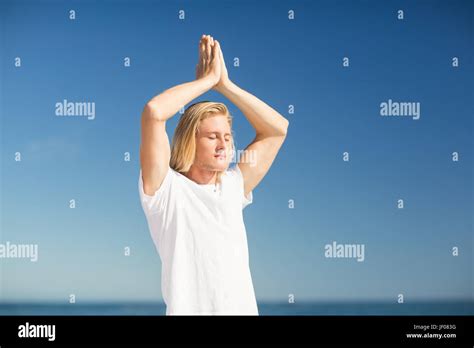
(152, 111)
(284, 127)
(276, 131)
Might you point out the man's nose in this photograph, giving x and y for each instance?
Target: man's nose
(221, 142)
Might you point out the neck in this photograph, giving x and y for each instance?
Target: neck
(201, 176)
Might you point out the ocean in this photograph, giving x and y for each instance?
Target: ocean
(265, 308)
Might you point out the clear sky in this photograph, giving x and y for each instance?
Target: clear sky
(284, 62)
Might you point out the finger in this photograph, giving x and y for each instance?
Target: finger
(202, 49)
(208, 49)
(215, 52)
(219, 50)
(222, 56)
(203, 44)
(216, 49)
(222, 53)
(201, 40)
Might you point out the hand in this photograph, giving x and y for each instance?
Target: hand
(224, 79)
(209, 65)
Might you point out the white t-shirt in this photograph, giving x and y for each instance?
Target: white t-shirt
(200, 236)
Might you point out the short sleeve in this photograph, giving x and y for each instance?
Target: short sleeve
(156, 202)
(246, 200)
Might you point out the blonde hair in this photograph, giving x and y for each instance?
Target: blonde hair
(183, 145)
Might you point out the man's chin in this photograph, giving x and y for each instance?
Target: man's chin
(218, 168)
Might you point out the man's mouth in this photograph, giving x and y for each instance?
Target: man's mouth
(220, 155)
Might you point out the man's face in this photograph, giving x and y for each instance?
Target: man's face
(214, 144)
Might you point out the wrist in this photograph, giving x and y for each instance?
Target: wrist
(224, 86)
(208, 81)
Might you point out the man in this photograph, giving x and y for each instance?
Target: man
(192, 201)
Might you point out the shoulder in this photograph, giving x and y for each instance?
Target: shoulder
(155, 201)
(234, 177)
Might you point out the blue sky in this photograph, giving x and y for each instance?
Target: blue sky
(283, 62)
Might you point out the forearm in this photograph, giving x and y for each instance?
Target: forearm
(263, 118)
(168, 103)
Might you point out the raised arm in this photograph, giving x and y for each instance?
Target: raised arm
(155, 147)
(269, 125)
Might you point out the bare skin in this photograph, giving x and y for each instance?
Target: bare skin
(213, 139)
(213, 150)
